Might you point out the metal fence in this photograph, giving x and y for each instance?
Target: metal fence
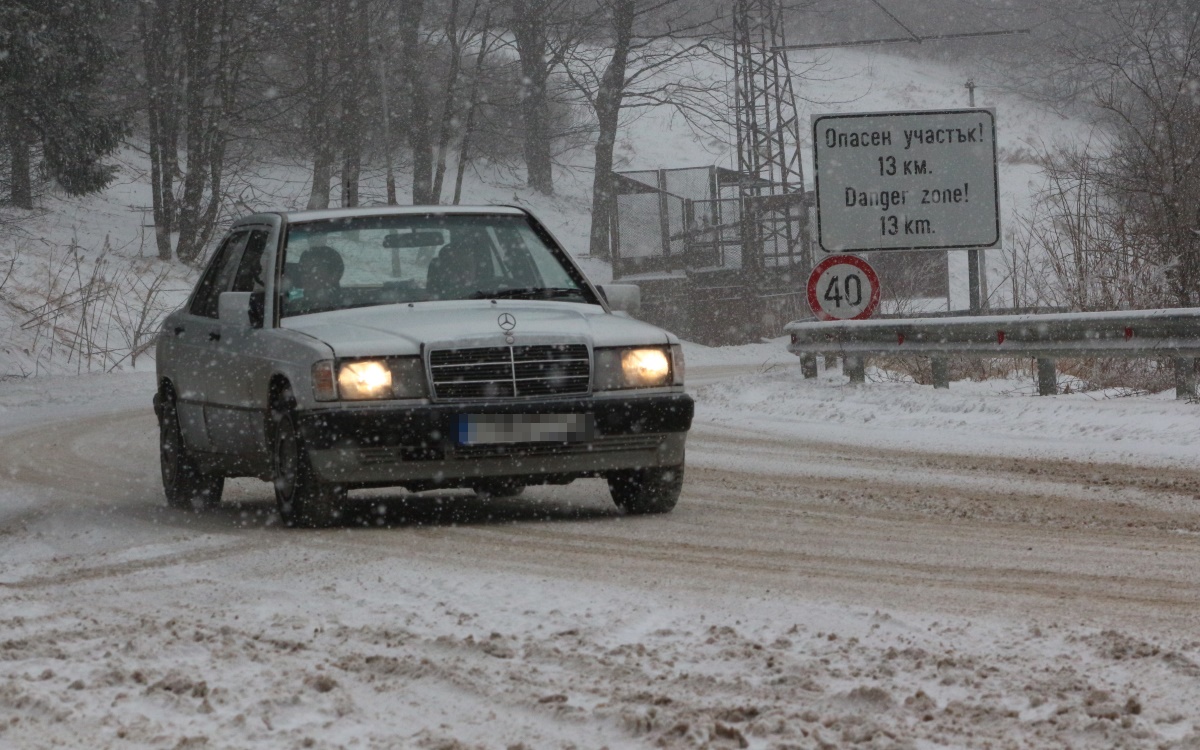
(674, 220)
(680, 235)
(1171, 333)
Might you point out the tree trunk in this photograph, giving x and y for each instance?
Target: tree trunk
(353, 65)
(535, 111)
(18, 149)
(318, 196)
(206, 34)
(318, 92)
(390, 176)
(609, 97)
(529, 33)
(417, 119)
(464, 143)
(196, 27)
(155, 27)
(603, 191)
(351, 171)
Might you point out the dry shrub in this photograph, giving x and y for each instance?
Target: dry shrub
(1084, 374)
(920, 369)
(1134, 375)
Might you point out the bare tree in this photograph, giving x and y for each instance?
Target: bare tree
(463, 29)
(194, 96)
(1143, 59)
(631, 69)
(473, 103)
(546, 33)
(1077, 247)
(352, 37)
(162, 71)
(418, 118)
(315, 31)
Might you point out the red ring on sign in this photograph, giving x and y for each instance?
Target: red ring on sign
(814, 301)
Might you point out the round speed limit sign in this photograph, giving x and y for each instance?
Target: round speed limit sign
(843, 287)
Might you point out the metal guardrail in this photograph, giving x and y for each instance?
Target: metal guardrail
(1170, 333)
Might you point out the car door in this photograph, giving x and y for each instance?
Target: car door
(195, 334)
(237, 389)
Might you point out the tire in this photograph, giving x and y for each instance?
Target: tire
(498, 488)
(303, 499)
(645, 491)
(185, 485)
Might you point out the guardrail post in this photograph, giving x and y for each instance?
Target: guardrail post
(941, 372)
(1185, 377)
(856, 368)
(1047, 377)
(808, 366)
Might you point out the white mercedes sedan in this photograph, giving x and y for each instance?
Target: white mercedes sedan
(422, 347)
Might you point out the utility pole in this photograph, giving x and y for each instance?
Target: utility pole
(776, 252)
(976, 258)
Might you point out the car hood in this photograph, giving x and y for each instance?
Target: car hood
(405, 329)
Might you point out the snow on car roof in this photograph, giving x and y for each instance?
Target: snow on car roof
(344, 213)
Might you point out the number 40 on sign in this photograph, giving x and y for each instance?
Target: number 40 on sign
(843, 287)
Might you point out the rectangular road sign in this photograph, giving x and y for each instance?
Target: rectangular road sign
(906, 180)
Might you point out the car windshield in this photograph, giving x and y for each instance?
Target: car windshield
(381, 260)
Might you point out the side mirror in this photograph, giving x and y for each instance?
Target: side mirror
(235, 308)
(626, 298)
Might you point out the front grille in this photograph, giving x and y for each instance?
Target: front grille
(510, 371)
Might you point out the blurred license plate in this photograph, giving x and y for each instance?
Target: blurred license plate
(483, 429)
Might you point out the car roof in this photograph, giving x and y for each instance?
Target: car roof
(293, 217)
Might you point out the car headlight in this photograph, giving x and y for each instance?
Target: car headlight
(366, 379)
(636, 367)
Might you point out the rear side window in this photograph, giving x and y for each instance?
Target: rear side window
(219, 276)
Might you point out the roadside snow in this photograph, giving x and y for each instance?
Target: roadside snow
(993, 417)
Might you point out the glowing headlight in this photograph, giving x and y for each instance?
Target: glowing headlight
(646, 366)
(364, 379)
(642, 367)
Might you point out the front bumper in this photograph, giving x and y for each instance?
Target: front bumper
(362, 446)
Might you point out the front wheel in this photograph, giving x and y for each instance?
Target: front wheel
(645, 491)
(302, 498)
(186, 486)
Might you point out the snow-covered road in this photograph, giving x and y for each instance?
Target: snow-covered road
(814, 588)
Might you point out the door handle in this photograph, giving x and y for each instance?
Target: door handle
(178, 330)
(214, 335)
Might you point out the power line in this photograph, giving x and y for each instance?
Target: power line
(900, 40)
(912, 38)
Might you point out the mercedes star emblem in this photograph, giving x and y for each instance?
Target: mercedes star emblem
(507, 321)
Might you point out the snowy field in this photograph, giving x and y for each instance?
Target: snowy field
(884, 566)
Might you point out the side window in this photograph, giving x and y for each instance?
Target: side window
(219, 276)
(249, 276)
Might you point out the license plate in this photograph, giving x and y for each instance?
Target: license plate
(491, 429)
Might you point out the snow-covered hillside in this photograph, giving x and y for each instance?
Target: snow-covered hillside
(62, 314)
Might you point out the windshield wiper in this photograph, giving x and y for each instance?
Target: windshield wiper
(530, 292)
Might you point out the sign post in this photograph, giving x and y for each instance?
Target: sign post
(906, 180)
(843, 287)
